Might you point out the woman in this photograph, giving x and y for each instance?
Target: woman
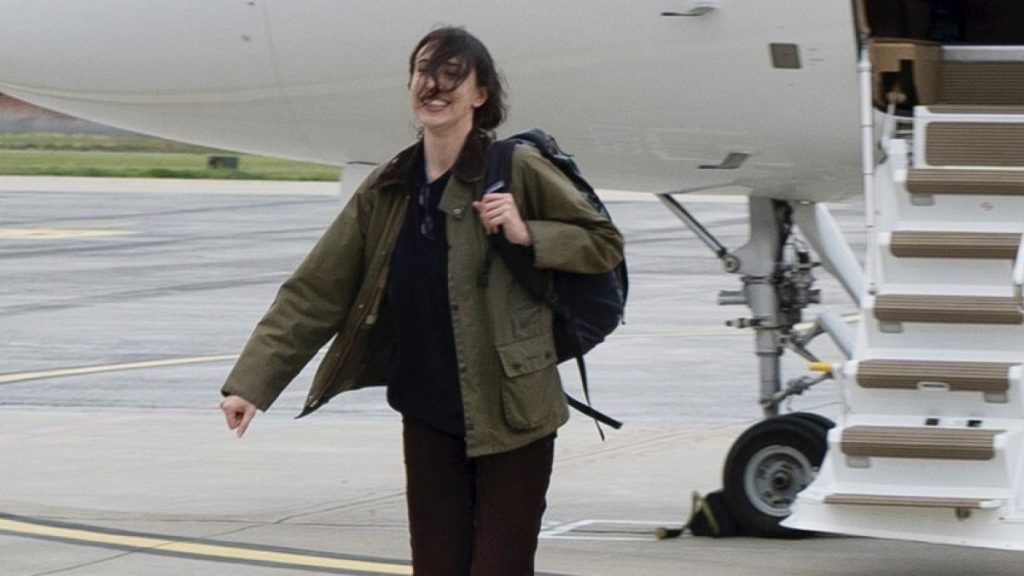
(471, 369)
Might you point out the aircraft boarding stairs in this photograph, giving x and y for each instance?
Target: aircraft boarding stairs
(931, 440)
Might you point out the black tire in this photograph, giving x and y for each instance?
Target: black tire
(823, 422)
(765, 469)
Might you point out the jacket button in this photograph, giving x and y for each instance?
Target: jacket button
(462, 368)
(457, 212)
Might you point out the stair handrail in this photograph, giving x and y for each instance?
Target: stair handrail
(868, 143)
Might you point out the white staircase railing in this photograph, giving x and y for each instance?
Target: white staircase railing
(939, 419)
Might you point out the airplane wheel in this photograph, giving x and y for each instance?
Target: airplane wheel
(766, 467)
(818, 419)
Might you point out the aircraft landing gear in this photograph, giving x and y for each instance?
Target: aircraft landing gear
(774, 460)
(768, 465)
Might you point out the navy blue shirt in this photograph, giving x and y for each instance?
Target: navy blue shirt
(424, 380)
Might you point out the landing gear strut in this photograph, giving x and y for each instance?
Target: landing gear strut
(776, 271)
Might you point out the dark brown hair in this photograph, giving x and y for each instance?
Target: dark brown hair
(451, 43)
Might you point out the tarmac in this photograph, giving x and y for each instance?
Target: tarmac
(124, 302)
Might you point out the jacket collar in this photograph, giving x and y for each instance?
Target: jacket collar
(469, 167)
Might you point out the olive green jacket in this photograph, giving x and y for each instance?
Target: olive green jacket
(504, 345)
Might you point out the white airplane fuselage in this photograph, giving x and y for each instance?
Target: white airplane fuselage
(769, 98)
(643, 99)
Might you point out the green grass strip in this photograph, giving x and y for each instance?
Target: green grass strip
(95, 143)
(36, 162)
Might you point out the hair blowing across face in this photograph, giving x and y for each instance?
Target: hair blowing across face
(450, 43)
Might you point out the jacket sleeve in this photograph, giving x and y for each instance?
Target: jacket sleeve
(309, 308)
(568, 233)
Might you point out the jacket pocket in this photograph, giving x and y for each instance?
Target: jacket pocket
(531, 393)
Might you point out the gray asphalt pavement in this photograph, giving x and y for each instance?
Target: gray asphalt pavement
(123, 303)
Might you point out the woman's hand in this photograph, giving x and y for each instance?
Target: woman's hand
(498, 212)
(239, 412)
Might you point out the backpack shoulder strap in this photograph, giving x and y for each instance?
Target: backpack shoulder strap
(498, 175)
(498, 178)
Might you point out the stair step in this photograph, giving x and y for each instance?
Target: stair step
(994, 83)
(927, 244)
(988, 377)
(926, 443)
(974, 144)
(913, 501)
(975, 110)
(948, 309)
(975, 182)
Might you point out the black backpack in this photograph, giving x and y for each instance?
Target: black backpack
(587, 307)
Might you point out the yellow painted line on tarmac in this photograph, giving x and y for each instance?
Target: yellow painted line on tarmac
(11, 378)
(192, 549)
(58, 372)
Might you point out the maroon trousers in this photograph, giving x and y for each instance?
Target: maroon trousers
(473, 516)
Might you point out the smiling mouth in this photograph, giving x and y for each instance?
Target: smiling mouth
(433, 104)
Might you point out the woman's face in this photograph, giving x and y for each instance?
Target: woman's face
(450, 106)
